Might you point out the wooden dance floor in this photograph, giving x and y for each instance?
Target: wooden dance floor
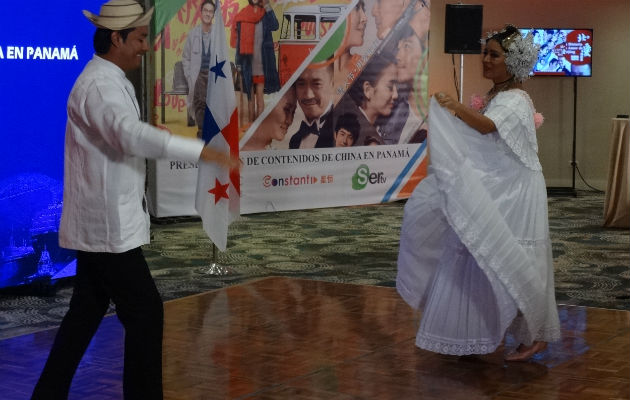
(282, 338)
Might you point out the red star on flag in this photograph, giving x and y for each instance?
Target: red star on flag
(219, 191)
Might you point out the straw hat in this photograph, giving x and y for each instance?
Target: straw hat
(120, 14)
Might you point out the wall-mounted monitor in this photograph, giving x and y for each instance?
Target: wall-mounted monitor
(563, 52)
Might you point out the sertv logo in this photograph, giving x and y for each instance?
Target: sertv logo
(363, 176)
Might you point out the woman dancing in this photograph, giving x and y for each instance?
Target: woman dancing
(475, 253)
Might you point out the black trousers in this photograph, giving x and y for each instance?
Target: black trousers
(125, 279)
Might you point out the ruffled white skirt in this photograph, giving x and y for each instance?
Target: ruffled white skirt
(475, 253)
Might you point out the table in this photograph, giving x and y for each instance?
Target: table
(617, 204)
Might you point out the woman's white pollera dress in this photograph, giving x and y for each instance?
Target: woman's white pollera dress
(475, 254)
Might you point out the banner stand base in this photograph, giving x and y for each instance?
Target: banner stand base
(216, 270)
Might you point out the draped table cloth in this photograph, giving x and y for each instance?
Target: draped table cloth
(617, 204)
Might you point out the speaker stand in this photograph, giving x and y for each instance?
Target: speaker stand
(461, 78)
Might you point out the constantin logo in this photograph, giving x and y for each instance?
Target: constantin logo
(292, 180)
(363, 176)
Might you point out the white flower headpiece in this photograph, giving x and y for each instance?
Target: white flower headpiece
(521, 53)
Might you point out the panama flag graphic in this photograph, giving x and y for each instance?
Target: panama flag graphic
(218, 188)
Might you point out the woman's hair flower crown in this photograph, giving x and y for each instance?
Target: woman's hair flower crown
(521, 53)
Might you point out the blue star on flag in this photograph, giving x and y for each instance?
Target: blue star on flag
(218, 69)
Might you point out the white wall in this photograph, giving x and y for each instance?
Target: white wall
(599, 98)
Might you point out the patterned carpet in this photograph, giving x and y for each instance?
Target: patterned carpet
(354, 245)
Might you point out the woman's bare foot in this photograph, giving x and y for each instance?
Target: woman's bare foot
(524, 353)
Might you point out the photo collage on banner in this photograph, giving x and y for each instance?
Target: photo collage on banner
(332, 99)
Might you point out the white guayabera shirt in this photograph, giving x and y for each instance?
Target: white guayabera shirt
(106, 145)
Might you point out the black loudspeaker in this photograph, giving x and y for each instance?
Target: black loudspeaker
(462, 33)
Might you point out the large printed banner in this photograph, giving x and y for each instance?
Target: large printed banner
(332, 99)
(338, 176)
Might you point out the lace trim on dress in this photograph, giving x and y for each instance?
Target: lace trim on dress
(455, 349)
(481, 246)
(473, 216)
(519, 133)
(522, 334)
(532, 243)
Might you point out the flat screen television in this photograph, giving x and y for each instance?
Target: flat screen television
(563, 52)
(43, 48)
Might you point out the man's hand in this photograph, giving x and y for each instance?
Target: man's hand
(209, 154)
